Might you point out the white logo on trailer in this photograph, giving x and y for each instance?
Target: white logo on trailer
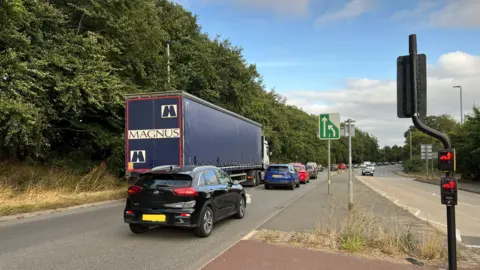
(169, 111)
(138, 156)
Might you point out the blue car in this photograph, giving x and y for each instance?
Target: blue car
(281, 175)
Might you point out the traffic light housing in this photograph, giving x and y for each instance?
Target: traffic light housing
(446, 160)
(407, 106)
(449, 190)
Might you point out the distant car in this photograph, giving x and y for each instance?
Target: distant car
(281, 175)
(342, 166)
(392, 163)
(367, 171)
(400, 162)
(371, 166)
(334, 167)
(386, 163)
(320, 168)
(379, 164)
(302, 172)
(194, 197)
(312, 171)
(355, 166)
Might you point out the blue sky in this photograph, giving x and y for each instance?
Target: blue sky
(317, 46)
(292, 52)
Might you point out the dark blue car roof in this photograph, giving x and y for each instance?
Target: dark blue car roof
(279, 165)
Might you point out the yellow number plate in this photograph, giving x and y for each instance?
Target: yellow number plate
(276, 176)
(157, 218)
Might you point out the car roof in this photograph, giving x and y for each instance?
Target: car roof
(297, 164)
(189, 169)
(280, 164)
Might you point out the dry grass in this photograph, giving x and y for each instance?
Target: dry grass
(362, 233)
(30, 188)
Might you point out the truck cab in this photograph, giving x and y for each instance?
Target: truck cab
(266, 154)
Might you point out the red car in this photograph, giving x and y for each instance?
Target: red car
(342, 166)
(302, 172)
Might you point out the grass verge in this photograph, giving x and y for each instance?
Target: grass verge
(360, 232)
(27, 188)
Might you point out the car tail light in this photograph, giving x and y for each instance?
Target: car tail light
(187, 191)
(134, 190)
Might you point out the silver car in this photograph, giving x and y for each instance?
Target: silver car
(312, 171)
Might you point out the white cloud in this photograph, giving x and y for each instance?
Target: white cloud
(353, 8)
(449, 14)
(423, 6)
(457, 13)
(373, 104)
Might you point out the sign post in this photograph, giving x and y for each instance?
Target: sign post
(349, 131)
(412, 103)
(329, 129)
(426, 154)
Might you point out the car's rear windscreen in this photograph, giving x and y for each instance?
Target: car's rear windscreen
(164, 180)
(278, 169)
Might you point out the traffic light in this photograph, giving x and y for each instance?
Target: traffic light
(407, 106)
(446, 160)
(449, 190)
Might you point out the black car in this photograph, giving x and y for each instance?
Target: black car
(192, 197)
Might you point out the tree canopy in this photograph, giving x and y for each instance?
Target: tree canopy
(464, 138)
(66, 65)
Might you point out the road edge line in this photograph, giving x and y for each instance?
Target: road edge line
(396, 202)
(23, 216)
(252, 232)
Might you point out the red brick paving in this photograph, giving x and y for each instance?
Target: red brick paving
(252, 255)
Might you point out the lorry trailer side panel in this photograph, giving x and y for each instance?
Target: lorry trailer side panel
(153, 132)
(217, 138)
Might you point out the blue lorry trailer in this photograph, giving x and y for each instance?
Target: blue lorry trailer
(175, 128)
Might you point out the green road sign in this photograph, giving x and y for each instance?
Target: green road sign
(329, 126)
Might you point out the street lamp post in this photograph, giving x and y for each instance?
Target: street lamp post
(348, 126)
(461, 103)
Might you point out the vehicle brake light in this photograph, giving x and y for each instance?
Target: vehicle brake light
(134, 190)
(187, 191)
(129, 212)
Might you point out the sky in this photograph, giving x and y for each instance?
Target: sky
(340, 56)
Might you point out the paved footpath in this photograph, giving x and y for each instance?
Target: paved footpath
(302, 216)
(252, 255)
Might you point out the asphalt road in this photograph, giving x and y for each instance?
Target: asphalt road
(97, 238)
(423, 201)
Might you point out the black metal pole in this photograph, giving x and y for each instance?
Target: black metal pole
(451, 226)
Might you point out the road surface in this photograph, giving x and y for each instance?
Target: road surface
(423, 201)
(97, 238)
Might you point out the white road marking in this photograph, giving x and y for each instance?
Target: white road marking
(249, 235)
(249, 198)
(396, 201)
(473, 246)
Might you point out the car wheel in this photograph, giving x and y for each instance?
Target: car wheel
(242, 206)
(292, 186)
(135, 228)
(297, 184)
(205, 223)
(266, 186)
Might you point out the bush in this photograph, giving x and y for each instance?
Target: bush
(414, 165)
